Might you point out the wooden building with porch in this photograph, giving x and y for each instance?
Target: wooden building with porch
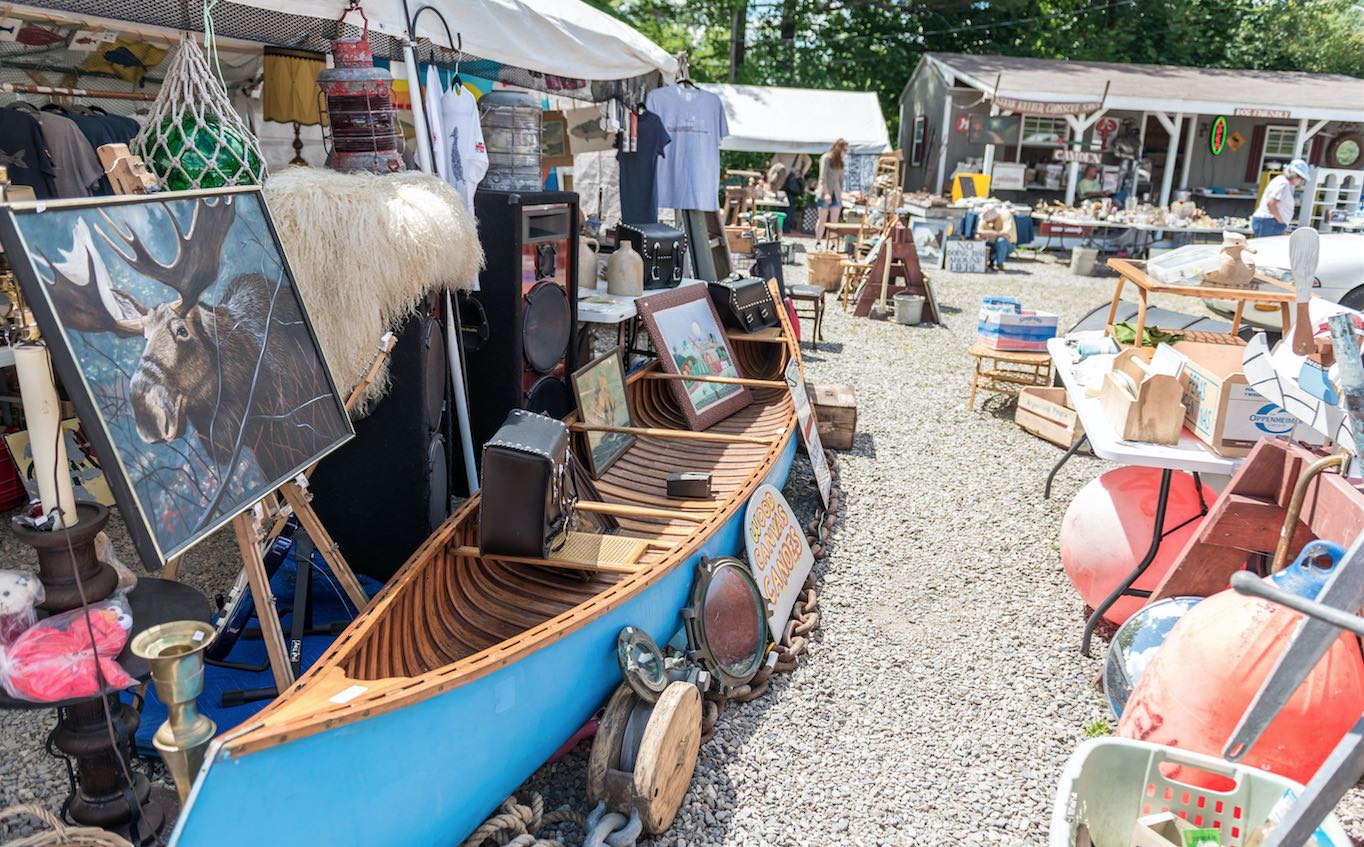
(1035, 124)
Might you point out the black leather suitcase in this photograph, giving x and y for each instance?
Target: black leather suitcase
(663, 248)
(744, 303)
(528, 498)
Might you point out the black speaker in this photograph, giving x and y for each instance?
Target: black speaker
(518, 328)
(384, 493)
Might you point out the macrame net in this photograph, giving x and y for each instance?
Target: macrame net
(194, 138)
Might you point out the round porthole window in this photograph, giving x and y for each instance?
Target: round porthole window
(1347, 151)
(727, 621)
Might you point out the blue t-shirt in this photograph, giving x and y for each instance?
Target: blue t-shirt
(638, 172)
(689, 176)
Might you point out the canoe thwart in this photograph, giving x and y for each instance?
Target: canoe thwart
(723, 380)
(682, 434)
(570, 564)
(622, 510)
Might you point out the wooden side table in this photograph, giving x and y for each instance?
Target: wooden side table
(1006, 371)
(1130, 271)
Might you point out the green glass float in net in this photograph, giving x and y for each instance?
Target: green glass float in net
(194, 138)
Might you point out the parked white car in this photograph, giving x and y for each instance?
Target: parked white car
(1340, 275)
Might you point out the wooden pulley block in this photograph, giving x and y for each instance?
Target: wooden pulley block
(644, 756)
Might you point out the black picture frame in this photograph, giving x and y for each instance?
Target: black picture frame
(129, 242)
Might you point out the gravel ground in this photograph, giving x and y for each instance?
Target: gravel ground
(944, 689)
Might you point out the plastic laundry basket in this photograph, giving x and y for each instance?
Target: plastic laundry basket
(1110, 782)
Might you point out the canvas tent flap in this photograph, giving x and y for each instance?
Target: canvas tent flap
(566, 38)
(800, 120)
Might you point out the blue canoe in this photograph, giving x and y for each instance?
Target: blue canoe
(464, 675)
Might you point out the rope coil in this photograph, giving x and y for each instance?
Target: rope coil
(59, 833)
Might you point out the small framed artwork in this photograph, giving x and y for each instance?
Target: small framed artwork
(929, 237)
(555, 147)
(175, 325)
(686, 332)
(600, 389)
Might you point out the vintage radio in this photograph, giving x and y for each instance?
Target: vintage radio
(663, 248)
(744, 303)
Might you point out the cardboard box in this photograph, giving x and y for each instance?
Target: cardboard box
(1162, 829)
(836, 413)
(1223, 411)
(1046, 413)
(1026, 330)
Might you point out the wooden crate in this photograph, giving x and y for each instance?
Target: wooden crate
(836, 411)
(1046, 413)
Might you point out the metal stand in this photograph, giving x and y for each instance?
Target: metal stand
(1158, 534)
(1065, 457)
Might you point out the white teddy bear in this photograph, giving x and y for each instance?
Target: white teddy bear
(20, 593)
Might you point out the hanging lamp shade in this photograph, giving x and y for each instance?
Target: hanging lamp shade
(289, 93)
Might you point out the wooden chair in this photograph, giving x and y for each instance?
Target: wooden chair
(812, 297)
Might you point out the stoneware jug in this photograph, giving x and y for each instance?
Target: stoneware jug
(587, 263)
(625, 271)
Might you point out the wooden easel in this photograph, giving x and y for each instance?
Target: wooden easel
(896, 270)
(257, 527)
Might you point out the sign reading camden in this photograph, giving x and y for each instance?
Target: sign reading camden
(778, 554)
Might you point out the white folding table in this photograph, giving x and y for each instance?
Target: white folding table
(1189, 454)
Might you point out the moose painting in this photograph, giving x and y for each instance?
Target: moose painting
(178, 333)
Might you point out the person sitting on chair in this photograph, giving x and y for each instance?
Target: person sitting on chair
(997, 229)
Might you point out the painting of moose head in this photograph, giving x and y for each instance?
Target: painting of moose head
(187, 352)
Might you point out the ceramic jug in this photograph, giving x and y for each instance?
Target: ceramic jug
(587, 263)
(625, 271)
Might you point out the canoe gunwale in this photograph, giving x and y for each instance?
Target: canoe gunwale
(286, 719)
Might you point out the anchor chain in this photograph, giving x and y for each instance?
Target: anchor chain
(804, 620)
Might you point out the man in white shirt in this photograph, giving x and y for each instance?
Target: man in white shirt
(1276, 204)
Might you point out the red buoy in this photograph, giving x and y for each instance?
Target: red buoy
(1108, 528)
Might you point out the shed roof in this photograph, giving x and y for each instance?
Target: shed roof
(1162, 87)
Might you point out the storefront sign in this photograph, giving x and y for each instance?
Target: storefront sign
(809, 433)
(1217, 137)
(1084, 157)
(778, 554)
(1043, 107)
(1263, 113)
(1104, 129)
(962, 124)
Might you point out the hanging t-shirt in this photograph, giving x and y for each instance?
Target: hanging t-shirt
(431, 94)
(463, 148)
(689, 175)
(639, 171)
(77, 168)
(23, 150)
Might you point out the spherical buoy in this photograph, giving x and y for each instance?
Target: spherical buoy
(1108, 527)
(1212, 665)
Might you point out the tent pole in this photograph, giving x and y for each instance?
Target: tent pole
(453, 339)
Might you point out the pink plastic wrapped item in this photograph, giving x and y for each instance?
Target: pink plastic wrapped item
(20, 594)
(53, 659)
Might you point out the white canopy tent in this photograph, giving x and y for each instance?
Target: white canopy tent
(800, 120)
(566, 38)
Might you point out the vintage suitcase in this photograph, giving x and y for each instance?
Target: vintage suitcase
(744, 303)
(663, 248)
(836, 411)
(527, 493)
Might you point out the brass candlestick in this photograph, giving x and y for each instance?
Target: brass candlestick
(175, 652)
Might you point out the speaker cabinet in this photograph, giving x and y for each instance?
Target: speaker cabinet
(384, 493)
(519, 327)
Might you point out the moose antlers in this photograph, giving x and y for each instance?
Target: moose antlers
(198, 251)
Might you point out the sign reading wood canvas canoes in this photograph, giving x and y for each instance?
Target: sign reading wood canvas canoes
(805, 419)
(778, 554)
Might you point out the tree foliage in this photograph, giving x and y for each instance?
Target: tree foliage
(873, 45)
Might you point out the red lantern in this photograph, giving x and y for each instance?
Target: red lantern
(364, 130)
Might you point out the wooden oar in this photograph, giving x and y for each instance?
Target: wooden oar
(625, 511)
(683, 434)
(723, 380)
